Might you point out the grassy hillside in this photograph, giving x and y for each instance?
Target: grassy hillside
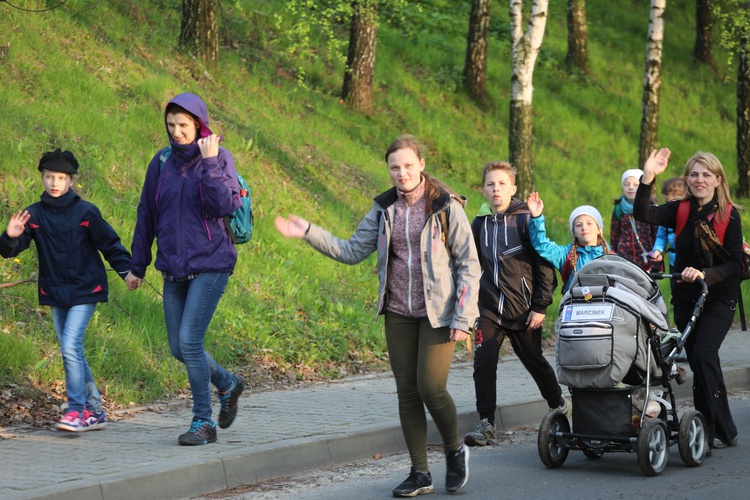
(93, 77)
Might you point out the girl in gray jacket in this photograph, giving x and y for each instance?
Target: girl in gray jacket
(429, 281)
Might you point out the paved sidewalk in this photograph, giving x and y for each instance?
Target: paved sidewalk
(277, 433)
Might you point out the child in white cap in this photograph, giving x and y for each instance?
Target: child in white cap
(631, 239)
(587, 229)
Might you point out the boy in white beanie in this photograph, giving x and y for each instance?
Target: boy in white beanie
(631, 239)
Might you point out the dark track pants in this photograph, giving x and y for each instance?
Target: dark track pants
(702, 347)
(421, 358)
(488, 338)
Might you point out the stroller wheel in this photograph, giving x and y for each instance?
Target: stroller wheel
(653, 447)
(692, 438)
(552, 450)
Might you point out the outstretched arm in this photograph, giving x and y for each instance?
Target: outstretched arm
(292, 227)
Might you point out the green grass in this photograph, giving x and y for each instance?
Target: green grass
(93, 77)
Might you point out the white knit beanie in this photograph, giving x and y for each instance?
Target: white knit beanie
(586, 210)
(633, 172)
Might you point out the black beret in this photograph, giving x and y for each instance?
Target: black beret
(59, 161)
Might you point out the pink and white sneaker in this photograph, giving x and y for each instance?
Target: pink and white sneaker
(72, 421)
(94, 421)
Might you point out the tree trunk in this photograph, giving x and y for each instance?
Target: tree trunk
(652, 82)
(525, 49)
(199, 34)
(704, 31)
(577, 57)
(475, 66)
(360, 62)
(743, 119)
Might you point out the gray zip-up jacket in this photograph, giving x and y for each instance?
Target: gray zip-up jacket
(451, 279)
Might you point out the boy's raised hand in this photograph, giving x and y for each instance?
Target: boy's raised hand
(17, 223)
(535, 203)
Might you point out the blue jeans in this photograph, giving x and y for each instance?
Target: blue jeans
(188, 309)
(70, 327)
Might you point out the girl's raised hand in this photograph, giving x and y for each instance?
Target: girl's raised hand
(17, 223)
(655, 164)
(292, 227)
(535, 203)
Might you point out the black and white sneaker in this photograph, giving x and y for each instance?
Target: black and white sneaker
(457, 469)
(228, 401)
(418, 483)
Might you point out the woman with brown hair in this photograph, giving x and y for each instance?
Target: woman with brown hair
(429, 282)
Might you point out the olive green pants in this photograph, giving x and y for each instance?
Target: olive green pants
(421, 358)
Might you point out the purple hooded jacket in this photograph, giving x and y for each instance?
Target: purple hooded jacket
(183, 206)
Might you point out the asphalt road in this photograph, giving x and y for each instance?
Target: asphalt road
(513, 469)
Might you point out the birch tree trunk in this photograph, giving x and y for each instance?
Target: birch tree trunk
(525, 49)
(743, 118)
(703, 50)
(475, 66)
(199, 34)
(577, 57)
(360, 62)
(652, 82)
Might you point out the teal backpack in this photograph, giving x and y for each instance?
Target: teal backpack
(240, 223)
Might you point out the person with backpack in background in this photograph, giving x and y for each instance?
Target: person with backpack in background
(586, 227)
(429, 280)
(707, 246)
(183, 205)
(671, 189)
(514, 292)
(631, 239)
(69, 233)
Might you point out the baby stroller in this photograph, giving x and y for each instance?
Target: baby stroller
(616, 354)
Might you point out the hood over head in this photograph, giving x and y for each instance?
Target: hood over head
(196, 107)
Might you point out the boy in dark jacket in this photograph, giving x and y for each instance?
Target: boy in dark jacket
(515, 289)
(69, 234)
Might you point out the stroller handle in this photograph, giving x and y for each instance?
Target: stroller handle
(661, 276)
(697, 310)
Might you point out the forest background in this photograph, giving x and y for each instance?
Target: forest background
(93, 77)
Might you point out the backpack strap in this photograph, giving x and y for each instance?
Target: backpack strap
(719, 223)
(444, 223)
(163, 155)
(683, 212)
(567, 269)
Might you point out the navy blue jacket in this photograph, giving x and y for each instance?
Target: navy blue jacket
(69, 233)
(183, 206)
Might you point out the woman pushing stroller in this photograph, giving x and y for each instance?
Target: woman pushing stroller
(699, 256)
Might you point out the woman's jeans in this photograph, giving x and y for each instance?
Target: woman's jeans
(188, 309)
(70, 327)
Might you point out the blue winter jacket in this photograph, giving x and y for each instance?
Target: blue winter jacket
(558, 254)
(69, 233)
(183, 205)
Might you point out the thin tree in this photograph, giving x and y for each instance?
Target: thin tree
(577, 57)
(652, 82)
(525, 49)
(475, 64)
(703, 50)
(199, 33)
(360, 62)
(735, 37)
